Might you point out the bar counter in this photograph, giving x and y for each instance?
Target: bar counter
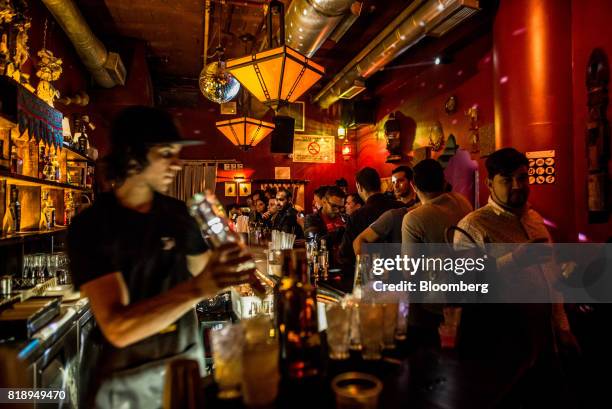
(412, 378)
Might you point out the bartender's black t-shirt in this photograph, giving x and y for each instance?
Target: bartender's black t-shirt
(149, 250)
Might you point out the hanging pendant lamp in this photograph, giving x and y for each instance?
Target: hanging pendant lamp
(276, 76)
(245, 132)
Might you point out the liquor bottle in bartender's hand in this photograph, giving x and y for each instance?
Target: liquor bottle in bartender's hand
(214, 224)
(296, 318)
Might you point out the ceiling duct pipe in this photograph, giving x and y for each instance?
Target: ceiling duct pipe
(106, 68)
(347, 22)
(308, 23)
(419, 19)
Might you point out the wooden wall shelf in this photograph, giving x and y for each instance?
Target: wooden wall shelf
(14, 238)
(74, 155)
(32, 181)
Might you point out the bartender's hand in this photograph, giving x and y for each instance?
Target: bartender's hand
(229, 265)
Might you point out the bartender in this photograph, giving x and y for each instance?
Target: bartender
(140, 258)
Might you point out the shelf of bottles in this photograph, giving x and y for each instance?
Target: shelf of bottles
(40, 185)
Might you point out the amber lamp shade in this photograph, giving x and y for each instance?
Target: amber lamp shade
(245, 132)
(277, 76)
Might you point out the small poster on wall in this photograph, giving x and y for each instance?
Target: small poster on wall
(314, 148)
(230, 189)
(244, 188)
(541, 167)
(282, 172)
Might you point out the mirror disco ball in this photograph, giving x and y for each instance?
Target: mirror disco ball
(217, 84)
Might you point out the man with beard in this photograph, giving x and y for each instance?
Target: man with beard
(401, 178)
(523, 339)
(286, 219)
(327, 222)
(270, 215)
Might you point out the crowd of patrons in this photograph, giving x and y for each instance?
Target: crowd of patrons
(420, 209)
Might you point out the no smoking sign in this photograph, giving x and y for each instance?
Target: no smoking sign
(314, 148)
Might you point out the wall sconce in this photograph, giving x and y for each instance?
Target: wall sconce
(341, 132)
(347, 150)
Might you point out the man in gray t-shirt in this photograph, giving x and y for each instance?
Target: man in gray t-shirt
(387, 228)
(427, 224)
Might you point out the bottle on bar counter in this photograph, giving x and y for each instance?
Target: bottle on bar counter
(296, 318)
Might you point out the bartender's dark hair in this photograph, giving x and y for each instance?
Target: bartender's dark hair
(120, 163)
(130, 130)
(368, 179)
(504, 161)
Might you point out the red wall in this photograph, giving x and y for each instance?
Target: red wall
(420, 96)
(591, 29)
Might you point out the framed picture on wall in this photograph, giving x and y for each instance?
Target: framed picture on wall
(230, 189)
(244, 188)
(297, 111)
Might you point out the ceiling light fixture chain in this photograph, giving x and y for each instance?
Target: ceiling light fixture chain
(216, 83)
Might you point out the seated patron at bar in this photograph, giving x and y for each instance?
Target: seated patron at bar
(270, 215)
(317, 198)
(328, 224)
(270, 193)
(352, 203)
(286, 219)
(140, 258)
(254, 215)
(261, 207)
(523, 338)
